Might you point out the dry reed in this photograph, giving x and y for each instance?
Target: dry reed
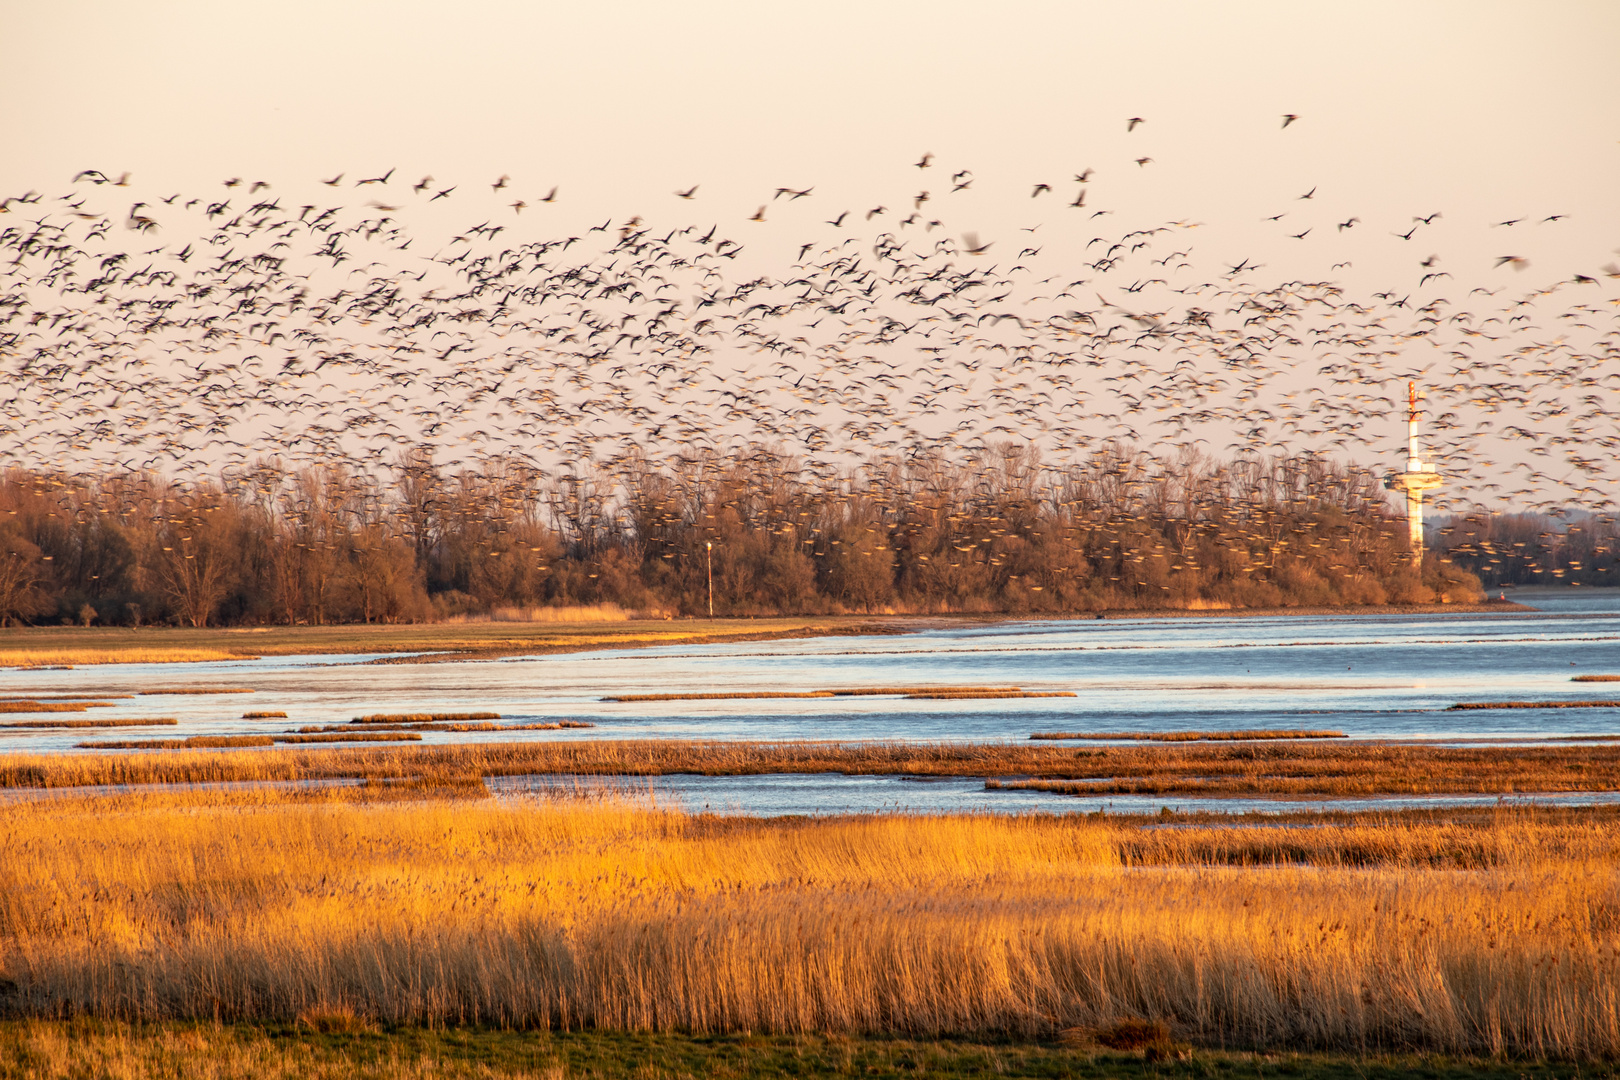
(268, 715)
(50, 706)
(162, 721)
(1595, 678)
(607, 914)
(403, 718)
(1254, 735)
(1533, 705)
(1288, 767)
(69, 657)
(979, 695)
(202, 742)
(352, 737)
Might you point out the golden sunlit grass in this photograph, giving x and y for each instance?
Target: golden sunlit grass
(352, 737)
(1595, 678)
(1492, 936)
(75, 657)
(266, 715)
(422, 718)
(162, 721)
(1255, 735)
(194, 742)
(1283, 767)
(50, 706)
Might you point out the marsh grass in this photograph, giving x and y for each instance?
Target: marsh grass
(83, 1048)
(1491, 936)
(352, 737)
(871, 691)
(1254, 735)
(50, 706)
(952, 695)
(159, 721)
(77, 657)
(264, 715)
(1284, 767)
(1595, 678)
(424, 718)
(1533, 705)
(193, 742)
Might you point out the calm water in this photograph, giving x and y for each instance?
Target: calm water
(1371, 676)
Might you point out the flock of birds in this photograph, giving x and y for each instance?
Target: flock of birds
(190, 335)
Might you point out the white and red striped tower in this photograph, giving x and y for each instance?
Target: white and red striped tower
(1418, 478)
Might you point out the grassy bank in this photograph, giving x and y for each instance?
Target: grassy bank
(1491, 935)
(71, 646)
(63, 1050)
(1292, 767)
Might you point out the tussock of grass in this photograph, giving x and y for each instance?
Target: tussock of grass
(1255, 735)
(874, 691)
(614, 915)
(190, 743)
(353, 737)
(195, 690)
(51, 706)
(67, 658)
(1595, 678)
(267, 715)
(162, 721)
(741, 696)
(1286, 767)
(1534, 705)
(980, 695)
(424, 718)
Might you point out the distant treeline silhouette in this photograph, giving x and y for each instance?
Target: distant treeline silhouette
(1533, 549)
(993, 532)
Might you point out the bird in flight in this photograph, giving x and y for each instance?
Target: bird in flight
(1289, 118)
(1130, 124)
(688, 193)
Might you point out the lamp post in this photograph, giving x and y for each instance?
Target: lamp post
(708, 548)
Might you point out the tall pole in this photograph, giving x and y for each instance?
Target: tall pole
(1417, 480)
(708, 547)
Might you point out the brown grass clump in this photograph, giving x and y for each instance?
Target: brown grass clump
(353, 737)
(70, 657)
(1286, 767)
(610, 914)
(951, 695)
(161, 721)
(192, 742)
(1253, 735)
(1595, 678)
(404, 718)
(1534, 705)
(50, 706)
(268, 715)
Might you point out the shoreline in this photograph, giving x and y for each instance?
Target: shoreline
(34, 648)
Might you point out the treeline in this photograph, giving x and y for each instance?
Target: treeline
(1533, 549)
(998, 532)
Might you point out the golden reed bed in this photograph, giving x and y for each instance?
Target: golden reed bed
(1496, 937)
(1294, 767)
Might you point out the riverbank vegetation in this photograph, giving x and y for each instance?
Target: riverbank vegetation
(1491, 934)
(1291, 767)
(994, 532)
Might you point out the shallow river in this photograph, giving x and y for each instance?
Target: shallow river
(1370, 676)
